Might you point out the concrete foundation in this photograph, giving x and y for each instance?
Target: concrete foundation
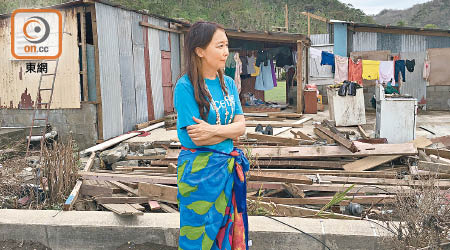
(81, 122)
(104, 230)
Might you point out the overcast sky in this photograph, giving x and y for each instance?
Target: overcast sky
(372, 7)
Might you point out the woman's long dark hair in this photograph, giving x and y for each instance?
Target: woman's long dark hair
(199, 36)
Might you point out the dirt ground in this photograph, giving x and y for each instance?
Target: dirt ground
(145, 246)
(22, 245)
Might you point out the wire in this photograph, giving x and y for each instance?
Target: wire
(303, 232)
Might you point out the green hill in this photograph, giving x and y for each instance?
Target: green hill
(433, 14)
(244, 14)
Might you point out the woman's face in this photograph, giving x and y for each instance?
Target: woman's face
(215, 54)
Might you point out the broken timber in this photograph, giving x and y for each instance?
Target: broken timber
(339, 139)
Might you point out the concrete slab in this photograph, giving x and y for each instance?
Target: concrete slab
(92, 230)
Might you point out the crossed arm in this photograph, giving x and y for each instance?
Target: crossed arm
(205, 134)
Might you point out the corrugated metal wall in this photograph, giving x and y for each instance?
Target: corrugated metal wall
(320, 71)
(415, 85)
(175, 54)
(122, 67)
(320, 39)
(364, 41)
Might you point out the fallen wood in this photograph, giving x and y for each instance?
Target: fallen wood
(271, 138)
(128, 178)
(303, 164)
(323, 136)
(172, 169)
(90, 162)
(434, 167)
(339, 139)
(116, 140)
(372, 174)
(146, 124)
(274, 125)
(121, 200)
(264, 119)
(158, 192)
(167, 208)
(279, 177)
(73, 196)
(92, 189)
(363, 133)
(138, 207)
(368, 199)
(301, 135)
(292, 211)
(439, 152)
(125, 187)
(314, 152)
(284, 129)
(369, 162)
(445, 140)
(438, 159)
(122, 209)
(379, 181)
(285, 115)
(293, 190)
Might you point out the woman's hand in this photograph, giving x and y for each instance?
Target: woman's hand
(201, 131)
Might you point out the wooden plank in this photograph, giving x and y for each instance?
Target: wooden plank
(274, 125)
(303, 164)
(292, 211)
(172, 169)
(363, 132)
(323, 136)
(314, 152)
(368, 199)
(73, 196)
(138, 207)
(125, 187)
(272, 138)
(128, 178)
(146, 124)
(340, 140)
(122, 209)
(302, 135)
(299, 71)
(137, 168)
(154, 205)
(265, 119)
(439, 152)
(118, 139)
(380, 181)
(121, 200)
(285, 115)
(167, 208)
(158, 192)
(144, 157)
(89, 163)
(434, 167)
(438, 159)
(369, 162)
(293, 190)
(145, 24)
(93, 189)
(97, 73)
(284, 129)
(82, 12)
(372, 174)
(279, 177)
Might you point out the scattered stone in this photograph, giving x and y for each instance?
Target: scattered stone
(116, 154)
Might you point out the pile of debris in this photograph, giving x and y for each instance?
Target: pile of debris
(327, 171)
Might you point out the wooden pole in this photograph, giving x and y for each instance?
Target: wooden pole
(309, 25)
(300, 77)
(82, 13)
(286, 18)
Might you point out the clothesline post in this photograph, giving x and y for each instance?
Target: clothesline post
(300, 47)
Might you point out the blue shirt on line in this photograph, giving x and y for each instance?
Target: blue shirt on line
(187, 107)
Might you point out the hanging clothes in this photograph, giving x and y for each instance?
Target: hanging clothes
(426, 70)
(341, 72)
(370, 69)
(355, 71)
(274, 76)
(251, 64)
(244, 64)
(257, 71)
(313, 52)
(387, 72)
(400, 68)
(264, 80)
(328, 59)
(410, 64)
(231, 62)
(237, 76)
(284, 57)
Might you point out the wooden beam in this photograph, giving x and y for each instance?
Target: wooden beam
(89, 163)
(434, 167)
(146, 24)
(314, 152)
(97, 73)
(128, 178)
(381, 181)
(271, 138)
(144, 157)
(369, 162)
(268, 37)
(82, 12)
(73, 196)
(148, 123)
(275, 125)
(341, 140)
(363, 132)
(303, 164)
(323, 136)
(279, 177)
(323, 19)
(123, 209)
(167, 209)
(300, 47)
(399, 31)
(439, 152)
(302, 135)
(125, 187)
(121, 200)
(371, 174)
(367, 199)
(158, 192)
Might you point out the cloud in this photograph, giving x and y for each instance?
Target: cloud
(372, 7)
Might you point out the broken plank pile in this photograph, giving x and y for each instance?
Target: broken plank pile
(295, 171)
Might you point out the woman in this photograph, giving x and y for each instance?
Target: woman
(211, 172)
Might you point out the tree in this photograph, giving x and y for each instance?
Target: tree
(431, 26)
(401, 23)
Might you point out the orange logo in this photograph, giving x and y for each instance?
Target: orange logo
(36, 34)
